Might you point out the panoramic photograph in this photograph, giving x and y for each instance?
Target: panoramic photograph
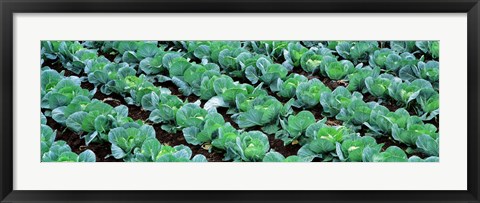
(239, 101)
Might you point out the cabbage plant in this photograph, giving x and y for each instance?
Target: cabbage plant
(357, 112)
(152, 151)
(249, 146)
(339, 69)
(288, 88)
(382, 120)
(257, 111)
(61, 152)
(205, 133)
(352, 150)
(333, 102)
(356, 80)
(273, 156)
(414, 128)
(405, 92)
(356, 51)
(293, 54)
(126, 140)
(429, 104)
(266, 72)
(378, 86)
(322, 141)
(308, 93)
(296, 125)
(430, 47)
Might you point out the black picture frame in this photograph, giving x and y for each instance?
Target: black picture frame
(10, 7)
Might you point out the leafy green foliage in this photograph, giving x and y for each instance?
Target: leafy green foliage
(308, 93)
(126, 140)
(430, 47)
(152, 151)
(62, 93)
(294, 53)
(378, 86)
(391, 154)
(357, 78)
(257, 111)
(248, 146)
(321, 141)
(190, 115)
(198, 135)
(356, 51)
(296, 125)
(353, 149)
(287, 88)
(338, 70)
(335, 100)
(273, 156)
(165, 109)
(356, 112)
(59, 151)
(382, 120)
(413, 129)
(429, 101)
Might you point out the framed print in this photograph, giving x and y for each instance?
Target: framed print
(266, 101)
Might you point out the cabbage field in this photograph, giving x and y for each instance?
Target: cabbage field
(240, 101)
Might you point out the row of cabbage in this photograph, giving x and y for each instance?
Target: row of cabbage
(404, 79)
(73, 107)
(252, 106)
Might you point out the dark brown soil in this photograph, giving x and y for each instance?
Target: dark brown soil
(135, 112)
(228, 118)
(279, 98)
(175, 91)
(170, 85)
(300, 71)
(138, 113)
(279, 147)
(174, 139)
(112, 99)
(112, 102)
(316, 111)
(332, 84)
(367, 97)
(56, 65)
(389, 103)
(391, 106)
(109, 56)
(72, 138)
(363, 129)
(101, 150)
(87, 85)
(333, 122)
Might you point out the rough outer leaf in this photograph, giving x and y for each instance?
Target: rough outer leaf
(428, 145)
(87, 156)
(74, 121)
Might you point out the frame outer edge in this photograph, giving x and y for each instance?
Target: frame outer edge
(473, 24)
(476, 162)
(6, 110)
(472, 100)
(2, 163)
